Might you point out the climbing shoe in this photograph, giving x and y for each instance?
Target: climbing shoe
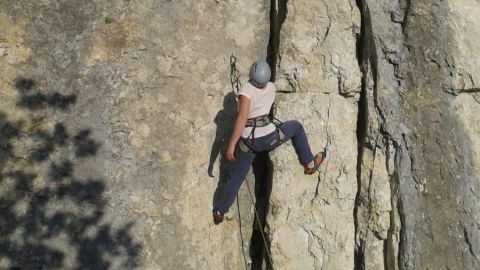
(217, 217)
(317, 160)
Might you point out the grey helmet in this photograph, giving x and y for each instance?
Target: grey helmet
(260, 73)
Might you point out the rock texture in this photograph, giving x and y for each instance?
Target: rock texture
(114, 114)
(109, 111)
(416, 132)
(312, 225)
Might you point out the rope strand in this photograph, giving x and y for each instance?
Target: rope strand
(241, 234)
(261, 231)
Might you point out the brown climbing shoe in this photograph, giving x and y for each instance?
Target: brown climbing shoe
(317, 160)
(217, 217)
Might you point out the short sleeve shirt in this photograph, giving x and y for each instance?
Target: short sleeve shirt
(261, 101)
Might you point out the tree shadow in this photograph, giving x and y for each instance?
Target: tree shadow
(39, 100)
(54, 220)
(8, 131)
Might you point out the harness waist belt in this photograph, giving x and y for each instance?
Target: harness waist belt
(259, 121)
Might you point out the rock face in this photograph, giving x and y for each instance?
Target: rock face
(312, 225)
(109, 111)
(416, 132)
(114, 114)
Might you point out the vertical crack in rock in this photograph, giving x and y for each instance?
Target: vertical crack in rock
(469, 243)
(262, 165)
(260, 247)
(405, 5)
(367, 62)
(361, 136)
(278, 14)
(394, 247)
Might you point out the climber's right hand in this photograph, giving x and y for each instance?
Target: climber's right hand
(229, 152)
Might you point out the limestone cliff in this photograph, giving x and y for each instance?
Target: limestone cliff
(114, 116)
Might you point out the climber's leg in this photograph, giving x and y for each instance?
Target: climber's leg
(238, 172)
(294, 130)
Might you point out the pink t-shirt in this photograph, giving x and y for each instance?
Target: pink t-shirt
(261, 101)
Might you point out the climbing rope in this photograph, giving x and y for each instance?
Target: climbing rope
(236, 84)
(234, 77)
(241, 234)
(261, 231)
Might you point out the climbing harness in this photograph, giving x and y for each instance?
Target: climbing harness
(260, 121)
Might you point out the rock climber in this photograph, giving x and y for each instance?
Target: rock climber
(254, 131)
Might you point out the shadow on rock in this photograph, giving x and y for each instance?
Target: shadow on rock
(39, 100)
(54, 220)
(224, 121)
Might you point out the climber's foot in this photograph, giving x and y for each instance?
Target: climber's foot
(317, 160)
(217, 217)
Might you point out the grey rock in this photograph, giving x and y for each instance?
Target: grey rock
(114, 116)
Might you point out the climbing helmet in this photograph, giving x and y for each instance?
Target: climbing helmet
(260, 73)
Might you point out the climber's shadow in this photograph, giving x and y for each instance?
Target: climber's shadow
(224, 121)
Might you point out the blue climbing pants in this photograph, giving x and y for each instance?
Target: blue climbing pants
(243, 160)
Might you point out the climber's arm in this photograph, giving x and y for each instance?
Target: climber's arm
(243, 109)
